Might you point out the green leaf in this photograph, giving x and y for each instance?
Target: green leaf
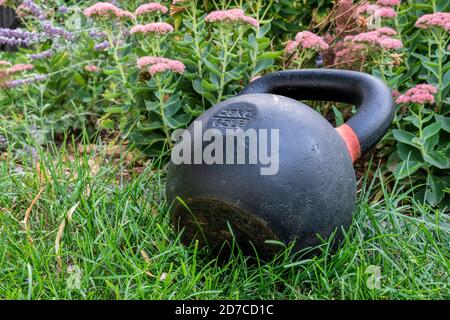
(264, 29)
(404, 137)
(406, 169)
(212, 68)
(446, 80)
(263, 65)
(270, 55)
(111, 72)
(172, 107)
(107, 124)
(431, 130)
(149, 127)
(437, 159)
(407, 152)
(208, 86)
(119, 109)
(435, 190)
(152, 106)
(179, 121)
(444, 121)
(428, 64)
(338, 116)
(79, 79)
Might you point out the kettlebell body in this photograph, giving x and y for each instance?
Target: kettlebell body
(306, 191)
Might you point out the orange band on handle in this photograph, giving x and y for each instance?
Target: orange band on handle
(351, 140)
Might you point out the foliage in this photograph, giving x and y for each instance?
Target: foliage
(422, 131)
(220, 59)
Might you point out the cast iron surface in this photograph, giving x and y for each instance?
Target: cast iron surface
(373, 98)
(314, 192)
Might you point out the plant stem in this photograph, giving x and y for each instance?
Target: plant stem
(195, 33)
(161, 109)
(119, 64)
(440, 50)
(225, 43)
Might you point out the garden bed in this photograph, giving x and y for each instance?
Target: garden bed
(92, 93)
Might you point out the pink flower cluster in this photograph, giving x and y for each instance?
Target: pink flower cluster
(159, 64)
(306, 40)
(153, 7)
(155, 27)
(438, 19)
(230, 17)
(388, 3)
(107, 10)
(7, 73)
(420, 94)
(16, 69)
(378, 11)
(91, 68)
(378, 38)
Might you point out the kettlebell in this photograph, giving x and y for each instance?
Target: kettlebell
(311, 195)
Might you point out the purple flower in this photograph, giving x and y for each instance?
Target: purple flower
(25, 81)
(97, 35)
(101, 46)
(63, 9)
(52, 31)
(34, 9)
(42, 55)
(18, 37)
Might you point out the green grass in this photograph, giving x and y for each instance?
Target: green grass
(120, 241)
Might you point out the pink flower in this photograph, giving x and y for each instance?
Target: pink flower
(438, 19)
(385, 12)
(146, 61)
(159, 64)
(388, 3)
(387, 31)
(308, 40)
(155, 27)
(150, 8)
(420, 94)
(377, 11)
(4, 63)
(106, 10)
(395, 94)
(427, 88)
(390, 43)
(291, 46)
(379, 37)
(19, 68)
(231, 16)
(126, 14)
(91, 68)
(172, 65)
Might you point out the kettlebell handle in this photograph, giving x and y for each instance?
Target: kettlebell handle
(372, 97)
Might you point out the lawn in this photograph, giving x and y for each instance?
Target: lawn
(91, 93)
(82, 220)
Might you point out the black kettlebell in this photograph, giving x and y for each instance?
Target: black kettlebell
(314, 190)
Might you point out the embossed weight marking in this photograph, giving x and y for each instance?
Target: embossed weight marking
(233, 118)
